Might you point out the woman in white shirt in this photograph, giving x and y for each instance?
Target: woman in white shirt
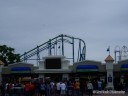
(90, 88)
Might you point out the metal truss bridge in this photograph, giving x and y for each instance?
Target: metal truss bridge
(62, 45)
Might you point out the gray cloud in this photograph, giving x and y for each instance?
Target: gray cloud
(24, 24)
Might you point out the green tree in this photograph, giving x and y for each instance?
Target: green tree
(7, 55)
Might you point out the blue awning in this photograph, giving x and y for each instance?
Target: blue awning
(86, 67)
(124, 66)
(20, 69)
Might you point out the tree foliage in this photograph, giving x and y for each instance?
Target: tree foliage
(8, 56)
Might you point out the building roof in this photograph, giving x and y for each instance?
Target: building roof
(109, 58)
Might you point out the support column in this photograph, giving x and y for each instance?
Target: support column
(41, 76)
(110, 79)
(65, 76)
(109, 68)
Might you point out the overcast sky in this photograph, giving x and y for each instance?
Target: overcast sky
(24, 24)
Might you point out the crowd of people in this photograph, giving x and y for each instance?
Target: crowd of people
(50, 88)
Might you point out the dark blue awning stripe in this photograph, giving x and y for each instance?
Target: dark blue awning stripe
(86, 67)
(20, 69)
(124, 66)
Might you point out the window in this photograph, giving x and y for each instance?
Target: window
(54, 63)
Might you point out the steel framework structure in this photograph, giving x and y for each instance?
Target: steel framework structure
(122, 53)
(52, 43)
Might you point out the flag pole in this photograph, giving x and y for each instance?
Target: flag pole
(109, 50)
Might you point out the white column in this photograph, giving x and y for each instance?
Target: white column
(41, 65)
(65, 76)
(110, 79)
(41, 76)
(109, 68)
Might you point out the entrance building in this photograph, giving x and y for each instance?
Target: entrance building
(59, 68)
(55, 67)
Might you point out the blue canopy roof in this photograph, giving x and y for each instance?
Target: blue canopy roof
(86, 67)
(124, 66)
(20, 69)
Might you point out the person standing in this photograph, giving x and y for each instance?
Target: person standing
(99, 85)
(63, 89)
(27, 88)
(77, 88)
(48, 88)
(90, 88)
(58, 88)
(42, 88)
